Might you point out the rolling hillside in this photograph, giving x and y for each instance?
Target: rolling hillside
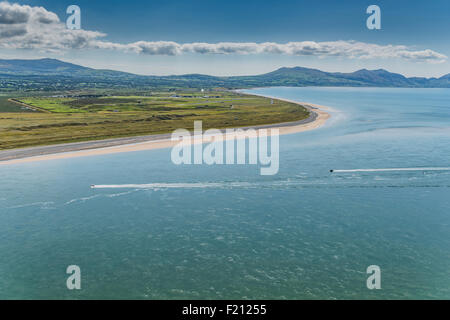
(51, 74)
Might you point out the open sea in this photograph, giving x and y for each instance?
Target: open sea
(302, 234)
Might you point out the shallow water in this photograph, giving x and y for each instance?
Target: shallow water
(302, 234)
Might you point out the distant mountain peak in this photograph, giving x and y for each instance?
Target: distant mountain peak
(285, 76)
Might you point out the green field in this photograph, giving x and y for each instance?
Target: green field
(70, 119)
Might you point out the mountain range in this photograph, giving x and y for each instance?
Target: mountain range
(51, 72)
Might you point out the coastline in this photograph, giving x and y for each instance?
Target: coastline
(318, 117)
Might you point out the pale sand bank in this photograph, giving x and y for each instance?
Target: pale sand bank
(317, 118)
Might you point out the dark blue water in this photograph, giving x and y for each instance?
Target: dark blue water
(302, 234)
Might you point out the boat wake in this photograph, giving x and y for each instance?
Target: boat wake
(390, 170)
(169, 185)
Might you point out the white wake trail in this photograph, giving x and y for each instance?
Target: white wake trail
(390, 170)
(159, 185)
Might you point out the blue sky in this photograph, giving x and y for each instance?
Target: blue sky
(416, 25)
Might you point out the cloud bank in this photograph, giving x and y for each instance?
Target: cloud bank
(26, 27)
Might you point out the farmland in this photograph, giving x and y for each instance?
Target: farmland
(61, 119)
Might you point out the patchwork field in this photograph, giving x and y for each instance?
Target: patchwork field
(71, 119)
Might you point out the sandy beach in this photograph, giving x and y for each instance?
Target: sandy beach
(317, 118)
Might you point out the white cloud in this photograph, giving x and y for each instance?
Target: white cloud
(14, 14)
(26, 27)
(348, 49)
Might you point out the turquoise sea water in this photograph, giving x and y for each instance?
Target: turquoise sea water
(302, 234)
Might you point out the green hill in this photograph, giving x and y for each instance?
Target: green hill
(52, 74)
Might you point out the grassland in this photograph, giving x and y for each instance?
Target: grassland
(71, 119)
